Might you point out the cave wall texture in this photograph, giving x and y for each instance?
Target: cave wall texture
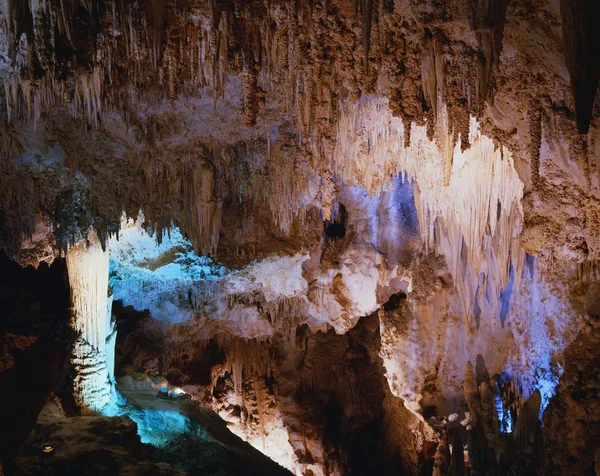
(364, 232)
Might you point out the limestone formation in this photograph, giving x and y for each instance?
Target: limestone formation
(364, 232)
(93, 352)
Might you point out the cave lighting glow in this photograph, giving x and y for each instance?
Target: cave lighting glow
(141, 271)
(546, 384)
(160, 427)
(157, 427)
(504, 416)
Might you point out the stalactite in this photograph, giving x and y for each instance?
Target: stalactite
(259, 391)
(237, 369)
(586, 272)
(487, 21)
(367, 19)
(87, 265)
(187, 190)
(582, 54)
(250, 92)
(535, 137)
(120, 37)
(578, 150)
(447, 169)
(249, 355)
(485, 215)
(433, 78)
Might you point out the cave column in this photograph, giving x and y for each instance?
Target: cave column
(92, 356)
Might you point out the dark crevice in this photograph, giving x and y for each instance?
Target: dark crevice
(394, 302)
(336, 228)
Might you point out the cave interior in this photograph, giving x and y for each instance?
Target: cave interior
(300, 237)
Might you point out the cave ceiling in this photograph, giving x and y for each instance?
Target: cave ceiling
(207, 113)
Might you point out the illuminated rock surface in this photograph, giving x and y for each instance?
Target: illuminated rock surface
(364, 233)
(93, 353)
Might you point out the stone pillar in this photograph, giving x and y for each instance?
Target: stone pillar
(93, 353)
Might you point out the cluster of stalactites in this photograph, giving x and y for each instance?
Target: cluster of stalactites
(248, 361)
(586, 272)
(93, 362)
(246, 356)
(270, 174)
(124, 49)
(185, 190)
(468, 202)
(56, 56)
(200, 46)
(193, 188)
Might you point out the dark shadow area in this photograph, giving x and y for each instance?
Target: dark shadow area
(198, 367)
(336, 228)
(140, 341)
(34, 346)
(394, 302)
(572, 419)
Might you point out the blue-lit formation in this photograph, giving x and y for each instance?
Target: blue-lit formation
(158, 277)
(159, 427)
(155, 427)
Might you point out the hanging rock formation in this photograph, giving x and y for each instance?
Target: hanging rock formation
(582, 55)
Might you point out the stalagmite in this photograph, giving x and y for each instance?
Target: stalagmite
(489, 420)
(471, 391)
(442, 458)
(93, 353)
(527, 423)
(457, 465)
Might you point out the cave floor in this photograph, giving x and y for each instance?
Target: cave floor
(193, 440)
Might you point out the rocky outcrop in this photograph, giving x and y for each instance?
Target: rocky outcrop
(78, 444)
(313, 402)
(203, 445)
